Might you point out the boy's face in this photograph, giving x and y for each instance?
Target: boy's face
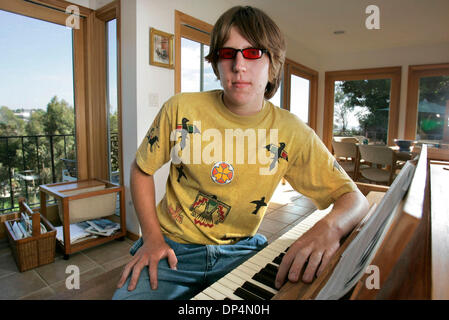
(243, 80)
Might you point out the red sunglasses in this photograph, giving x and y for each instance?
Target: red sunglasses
(248, 53)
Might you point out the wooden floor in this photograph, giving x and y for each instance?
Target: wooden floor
(100, 267)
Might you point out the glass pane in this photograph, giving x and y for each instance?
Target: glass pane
(210, 81)
(114, 168)
(299, 97)
(276, 99)
(190, 65)
(37, 121)
(361, 108)
(432, 110)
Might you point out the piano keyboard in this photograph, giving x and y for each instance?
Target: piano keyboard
(254, 279)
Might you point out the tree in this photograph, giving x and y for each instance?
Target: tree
(434, 89)
(342, 108)
(35, 126)
(374, 95)
(10, 124)
(59, 118)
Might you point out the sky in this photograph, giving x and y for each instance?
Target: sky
(36, 62)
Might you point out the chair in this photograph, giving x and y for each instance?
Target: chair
(346, 154)
(70, 172)
(350, 140)
(383, 163)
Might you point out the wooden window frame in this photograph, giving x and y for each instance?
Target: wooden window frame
(89, 82)
(59, 16)
(393, 73)
(191, 28)
(415, 73)
(102, 17)
(293, 68)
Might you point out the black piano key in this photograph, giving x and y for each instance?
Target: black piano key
(270, 271)
(264, 280)
(268, 274)
(278, 259)
(261, 292)
(246, 295)
(272, 267)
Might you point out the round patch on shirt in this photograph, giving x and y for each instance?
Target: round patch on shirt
(222, 173)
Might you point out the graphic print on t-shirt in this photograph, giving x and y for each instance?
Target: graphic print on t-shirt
(208, 211)
(278, 152)
(259, 204)
(185, 129)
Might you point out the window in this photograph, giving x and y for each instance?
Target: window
(192, 72)
(360, 86)
(196, 73)
(37, 115)
(112, 104)
(361, 108)
(428, 103)
(300, 91)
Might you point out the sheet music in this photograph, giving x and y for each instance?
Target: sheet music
(361, 250)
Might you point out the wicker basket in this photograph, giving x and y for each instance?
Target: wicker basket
(34, 251)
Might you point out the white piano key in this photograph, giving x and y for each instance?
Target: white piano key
(237, 279)
(227, 288)
(202, 296)
(260, 260)
(250, 265)
(214, 294)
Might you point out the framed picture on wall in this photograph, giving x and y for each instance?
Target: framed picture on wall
(161, 49)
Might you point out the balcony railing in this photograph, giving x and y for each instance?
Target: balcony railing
(29, 161)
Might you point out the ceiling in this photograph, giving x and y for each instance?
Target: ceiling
(403, 23)
(311, 23)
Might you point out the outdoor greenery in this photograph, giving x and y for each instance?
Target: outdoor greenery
(34, 147)
(372, 100)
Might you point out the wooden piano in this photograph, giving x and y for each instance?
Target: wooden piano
(412, 256)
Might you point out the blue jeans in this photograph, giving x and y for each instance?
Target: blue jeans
(198, 267)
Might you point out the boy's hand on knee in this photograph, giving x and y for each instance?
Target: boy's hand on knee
(149, 255)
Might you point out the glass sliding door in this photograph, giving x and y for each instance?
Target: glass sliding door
(37, 107)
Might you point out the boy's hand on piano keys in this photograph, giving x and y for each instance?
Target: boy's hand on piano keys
(310, 253)
(149, 254)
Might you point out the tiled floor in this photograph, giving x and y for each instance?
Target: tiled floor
(286, 209)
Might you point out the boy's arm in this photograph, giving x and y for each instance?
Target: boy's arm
(154, 247)
(317, 246)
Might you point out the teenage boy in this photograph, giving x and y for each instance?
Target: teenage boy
(217, 194)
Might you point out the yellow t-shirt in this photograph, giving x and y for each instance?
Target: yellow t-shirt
(226, 167)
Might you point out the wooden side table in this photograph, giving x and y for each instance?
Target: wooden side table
(59, 190)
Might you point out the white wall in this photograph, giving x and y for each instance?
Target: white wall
(140, 80)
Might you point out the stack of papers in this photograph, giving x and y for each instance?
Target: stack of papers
(24, 228)
(77, 234)
(88, 229)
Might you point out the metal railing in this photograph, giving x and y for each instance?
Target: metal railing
(29, 161)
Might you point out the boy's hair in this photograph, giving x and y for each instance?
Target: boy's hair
(261, 31)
